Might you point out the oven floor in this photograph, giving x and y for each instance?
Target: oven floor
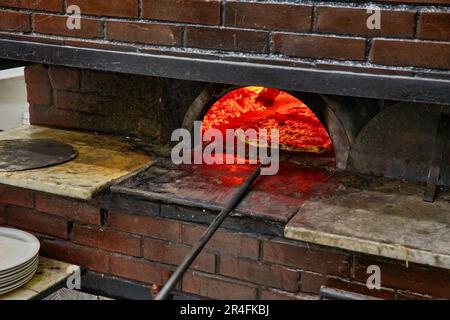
(275, 198)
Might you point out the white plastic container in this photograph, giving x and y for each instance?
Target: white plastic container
(13, 99)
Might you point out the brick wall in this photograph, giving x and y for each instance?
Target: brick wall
(145, 107)
(146, 248)
(412, 34)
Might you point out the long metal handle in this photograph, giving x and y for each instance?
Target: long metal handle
(218, 220)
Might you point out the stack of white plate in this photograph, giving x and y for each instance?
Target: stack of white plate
(19, 252)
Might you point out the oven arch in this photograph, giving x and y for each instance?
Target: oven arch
(317, 104)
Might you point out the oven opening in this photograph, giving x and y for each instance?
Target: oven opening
(306, 153)
(303, 139)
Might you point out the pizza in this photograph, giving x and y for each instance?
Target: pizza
(295, 136)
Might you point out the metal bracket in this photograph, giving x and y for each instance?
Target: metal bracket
(436, 161)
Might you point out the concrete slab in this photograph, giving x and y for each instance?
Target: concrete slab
(102, 160)
(378, 216)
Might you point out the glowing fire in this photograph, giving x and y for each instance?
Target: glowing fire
(266, 108)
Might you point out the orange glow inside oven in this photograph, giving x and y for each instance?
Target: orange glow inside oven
(266, 108)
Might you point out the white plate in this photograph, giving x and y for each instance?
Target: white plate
(12, 271)
(18, 272)
(16, 248)
(18, 280)
(17, 284)
(18, 276)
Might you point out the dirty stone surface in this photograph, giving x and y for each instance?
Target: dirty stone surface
(101, 161)
(274, 198)
(49, 273)
(377, 216)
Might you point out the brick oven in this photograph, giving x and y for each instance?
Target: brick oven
(136, 70)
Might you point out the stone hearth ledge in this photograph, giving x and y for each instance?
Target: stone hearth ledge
(380, 217)
(102, 161)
